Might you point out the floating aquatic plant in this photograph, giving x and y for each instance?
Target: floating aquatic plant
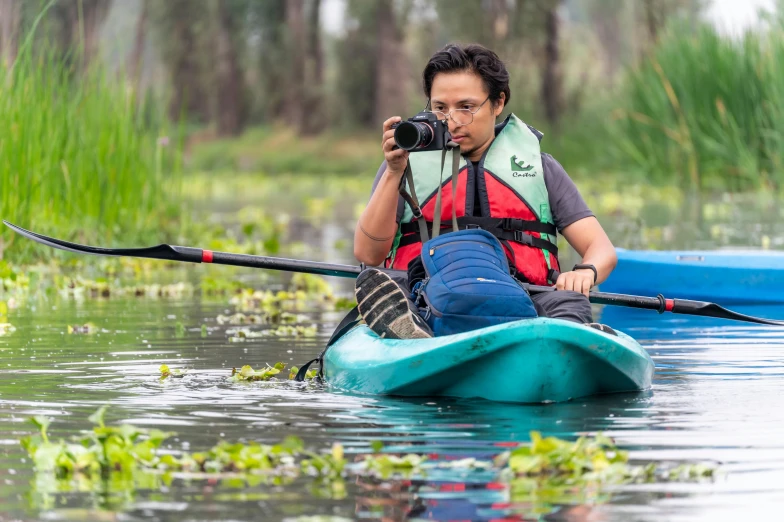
(247, 373)
(309, 375)
(166, 372)
(541, 474)
(555, 471)
(87, 328)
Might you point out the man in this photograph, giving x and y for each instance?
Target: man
(506, 186)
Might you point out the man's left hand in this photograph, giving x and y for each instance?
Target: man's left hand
(580, 280)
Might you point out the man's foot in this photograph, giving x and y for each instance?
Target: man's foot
(386, 309)
(602, 327)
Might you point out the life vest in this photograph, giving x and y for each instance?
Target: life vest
(513, 196)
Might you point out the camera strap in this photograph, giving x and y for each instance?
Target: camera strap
(413, 202)
(455, 165)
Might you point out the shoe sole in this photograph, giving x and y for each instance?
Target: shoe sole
(602, 328)
(385, 308)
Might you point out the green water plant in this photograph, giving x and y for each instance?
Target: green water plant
(86, 328)
(552, 471)
(543, 473)
(248, 374)
(166, 372)
(309, 375)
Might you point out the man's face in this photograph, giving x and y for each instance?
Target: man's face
(465, 90)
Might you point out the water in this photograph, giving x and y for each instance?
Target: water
(717, 396)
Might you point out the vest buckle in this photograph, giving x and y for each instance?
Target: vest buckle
(511, 224)
(417, 212)
(522, 237)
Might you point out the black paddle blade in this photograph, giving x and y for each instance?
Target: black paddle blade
(167, 252)
(705, 309)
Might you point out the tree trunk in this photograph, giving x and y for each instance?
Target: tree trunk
(82, 24)
(295, 90)
(391, 66)
(135, 65)
(94, 13)
(10, 19)
(499, 23)
(313, 121)
(651, 23)
(188, 93)
(229, 95)
(551, 75)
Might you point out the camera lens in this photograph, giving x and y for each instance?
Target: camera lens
(411, 135)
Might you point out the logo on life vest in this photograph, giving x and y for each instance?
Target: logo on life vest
(520, 169)
(486, 280)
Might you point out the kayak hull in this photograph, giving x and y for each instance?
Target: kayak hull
(724, 277)
(528, 361)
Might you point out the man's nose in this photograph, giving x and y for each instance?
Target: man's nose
(451, 125)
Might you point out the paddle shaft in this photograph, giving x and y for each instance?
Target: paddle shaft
(198, 255)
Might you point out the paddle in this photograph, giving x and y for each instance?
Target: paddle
(198, 255)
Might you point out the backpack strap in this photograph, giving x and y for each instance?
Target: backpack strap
(351, 319)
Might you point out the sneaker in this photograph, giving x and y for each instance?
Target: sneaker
(602, 328)
(386, 309)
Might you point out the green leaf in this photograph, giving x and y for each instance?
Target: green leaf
(97, 417)
(377, 446)
(42, 423)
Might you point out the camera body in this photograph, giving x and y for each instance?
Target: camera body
(421, 133)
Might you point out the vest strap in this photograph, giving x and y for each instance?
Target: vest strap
(489, 224)
(518, 236)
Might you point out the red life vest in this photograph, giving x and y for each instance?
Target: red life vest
(513, 198)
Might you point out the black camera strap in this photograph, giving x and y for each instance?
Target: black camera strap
(455, 167)
(413, 202)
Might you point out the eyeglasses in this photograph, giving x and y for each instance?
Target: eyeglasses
(461, 117)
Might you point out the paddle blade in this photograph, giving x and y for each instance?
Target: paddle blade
(705, 309)
(168, 252)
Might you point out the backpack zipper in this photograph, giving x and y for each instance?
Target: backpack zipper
(434, 248)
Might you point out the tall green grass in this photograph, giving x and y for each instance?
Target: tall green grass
(80, 159)
(706, 111)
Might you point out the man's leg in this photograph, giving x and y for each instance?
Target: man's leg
(569, 306)
(386, 308)
(563, 304)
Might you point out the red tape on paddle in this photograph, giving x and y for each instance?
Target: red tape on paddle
(206, 256)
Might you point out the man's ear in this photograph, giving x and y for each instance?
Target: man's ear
(500, 105)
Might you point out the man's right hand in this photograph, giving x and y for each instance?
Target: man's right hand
(397, 158)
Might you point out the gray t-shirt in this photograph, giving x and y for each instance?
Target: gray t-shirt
(566, 203)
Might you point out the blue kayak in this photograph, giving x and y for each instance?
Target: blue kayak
(528, 361)
(722, 276)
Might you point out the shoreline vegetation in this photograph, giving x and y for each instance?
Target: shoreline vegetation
(86, 157)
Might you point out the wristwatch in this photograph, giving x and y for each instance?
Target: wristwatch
(587, 267)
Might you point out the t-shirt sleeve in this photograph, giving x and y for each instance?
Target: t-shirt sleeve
(400, 200)
(566, 203)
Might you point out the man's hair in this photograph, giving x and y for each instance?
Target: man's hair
(470, 58)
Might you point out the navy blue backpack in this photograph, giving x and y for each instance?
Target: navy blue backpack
(468, 284)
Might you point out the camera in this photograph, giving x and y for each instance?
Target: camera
(421, 133)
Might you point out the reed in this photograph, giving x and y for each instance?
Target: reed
(81, 156)
(705, 111)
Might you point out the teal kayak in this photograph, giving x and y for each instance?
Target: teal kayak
(528, 361)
